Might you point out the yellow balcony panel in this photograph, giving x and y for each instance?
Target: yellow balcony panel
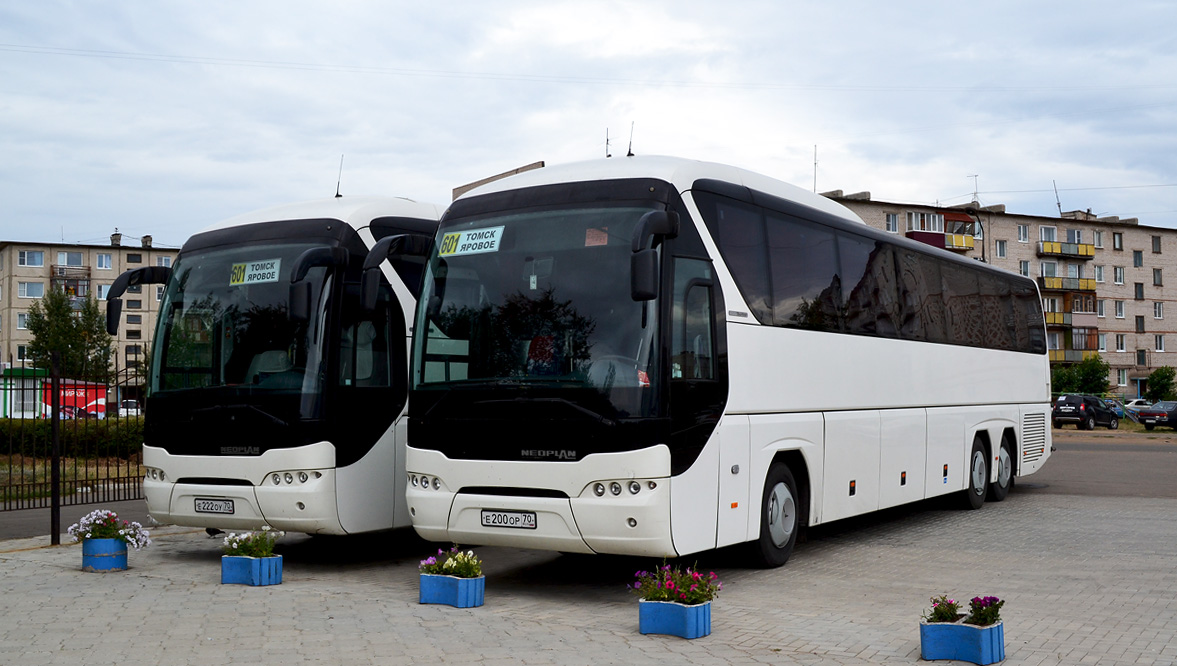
(1058, 318)
(1066, 284)
(1071, 250)
(958, 242)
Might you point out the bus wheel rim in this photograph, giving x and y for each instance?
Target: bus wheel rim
(1005, 467)
(782, 514)
(978, 472)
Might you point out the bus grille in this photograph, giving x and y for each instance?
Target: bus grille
(1033, 436)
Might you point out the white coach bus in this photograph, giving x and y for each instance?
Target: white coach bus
(274, 398)
(655, 356)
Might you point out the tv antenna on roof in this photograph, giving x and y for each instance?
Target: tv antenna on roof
(1058, 202)
(607, 155)
(629, 152)
(340, 179)
(974, 177)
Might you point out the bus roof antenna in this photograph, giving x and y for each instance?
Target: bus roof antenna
(629, 152)
(607, 155)
(340, 179)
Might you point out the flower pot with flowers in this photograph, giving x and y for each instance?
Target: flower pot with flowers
(105, 539)
(674, 601)
(249, 558)
(453, 578)
(947, 633)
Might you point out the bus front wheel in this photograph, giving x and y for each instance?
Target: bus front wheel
(779, 518)
(978, 476)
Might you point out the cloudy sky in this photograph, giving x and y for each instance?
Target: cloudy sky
(163, 117)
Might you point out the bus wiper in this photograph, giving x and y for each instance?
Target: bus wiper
(596, 416)
(232, 409)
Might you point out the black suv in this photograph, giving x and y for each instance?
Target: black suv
(1085, 411)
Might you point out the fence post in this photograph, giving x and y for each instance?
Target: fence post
(55, 475)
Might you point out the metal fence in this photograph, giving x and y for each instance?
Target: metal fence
(89, 429)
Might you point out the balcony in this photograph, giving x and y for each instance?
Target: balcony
(1066, 284)
(1071, 355)
(1062, 319)
(61, 272)
(962, 242)
(1067, 250)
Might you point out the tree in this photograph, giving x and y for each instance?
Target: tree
(1160, 385)
(1088, 376)
(79, 335)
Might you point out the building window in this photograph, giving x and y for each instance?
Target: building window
(1049, 269)
(135, 305)
(1117, 240)
(134, 258)
(30, 258)
(1118, 274)
(22, 321)
(925, 222)
(1074, 235)
(159, 292)
(103, 290)
(1001, 249)
(1099, 312)
(134, 334)
(1052, 340)
(1047, 234)
(1139, 323)
(1103, 342)
(1138, 291)
(1024, 268)
(1156, 244)
(1137, 258)
(1050, 304)
(69, 258)
(30, 289)
(893, 222)
(104, 261)
(1121, 378)
(1141, 357)
(163, 261)
(134, 319)
(1158, 310)
(1098, 238)
(1119, 309)
(1156, 277)
(1120, 342)
(1074, 270)
(1099, 273)
(1023, 233)
(22, 353)
(1158, 343)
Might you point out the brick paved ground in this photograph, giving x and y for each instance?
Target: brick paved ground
(1089, 580)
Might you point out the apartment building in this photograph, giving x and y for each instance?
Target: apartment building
(1102, 278)
(30, 270)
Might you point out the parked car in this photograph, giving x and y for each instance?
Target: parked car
(1085, 411)
(1137, 404)
(1115, 406)
(1163, 413)
(129, 408)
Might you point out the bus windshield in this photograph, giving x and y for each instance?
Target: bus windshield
(224, 325)
(539, 301)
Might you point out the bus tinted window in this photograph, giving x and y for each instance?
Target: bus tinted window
(741, 240)
(806, 290)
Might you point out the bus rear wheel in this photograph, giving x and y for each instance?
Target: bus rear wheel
(1005, 472)
(978, 476)
(779, 518)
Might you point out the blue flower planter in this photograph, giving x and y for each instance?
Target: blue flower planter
(104, 555)
(452, 591)
(962, 642)
(667, 617)
(241, 570)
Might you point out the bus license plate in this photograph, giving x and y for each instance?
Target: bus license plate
(521, 520)
(214, 506)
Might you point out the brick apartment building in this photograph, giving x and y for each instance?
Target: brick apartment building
(29, 270)
(1102, 278)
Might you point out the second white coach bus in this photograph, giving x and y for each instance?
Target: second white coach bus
(274, 398)
(655, 356)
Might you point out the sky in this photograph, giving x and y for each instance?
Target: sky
(163, 118)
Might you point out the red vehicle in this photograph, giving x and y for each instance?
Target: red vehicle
(78, 399)
(1161, 414)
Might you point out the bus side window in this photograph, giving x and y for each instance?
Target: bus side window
(691, 355)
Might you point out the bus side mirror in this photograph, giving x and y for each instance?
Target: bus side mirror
(413, 245)
(300, 301)
(299, 308)
(114, 313)
(643, 275)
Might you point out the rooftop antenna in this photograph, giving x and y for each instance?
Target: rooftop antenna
(607, 155)
(340, 179)
(1058, 202)
(629, 152)
(974, 177)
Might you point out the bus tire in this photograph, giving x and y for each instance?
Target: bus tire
(779, 518)
(978, 476)
(1005, 472)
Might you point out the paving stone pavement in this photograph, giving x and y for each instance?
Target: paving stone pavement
(1088, 580)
